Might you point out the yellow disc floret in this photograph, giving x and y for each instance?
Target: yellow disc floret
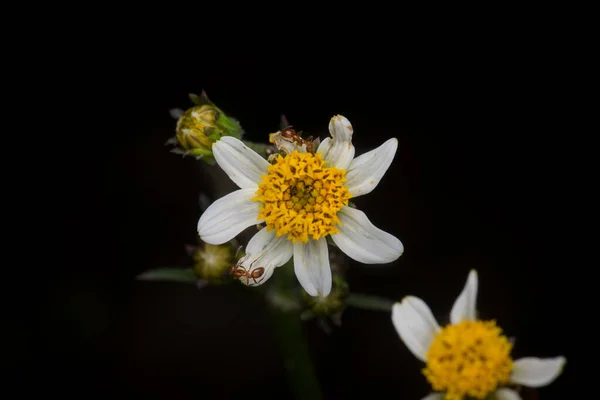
(471, 358)
(300, 197)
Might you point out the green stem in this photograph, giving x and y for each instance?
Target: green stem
(292, 343)
(367, 302)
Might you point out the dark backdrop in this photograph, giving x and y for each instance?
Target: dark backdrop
(475, 184)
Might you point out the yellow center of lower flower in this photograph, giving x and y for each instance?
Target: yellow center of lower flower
(471, 358)
(300, 197)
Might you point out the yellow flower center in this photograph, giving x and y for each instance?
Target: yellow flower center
(471, 358)
(300, 197)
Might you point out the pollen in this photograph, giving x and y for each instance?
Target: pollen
(301, 197)
(471, 358)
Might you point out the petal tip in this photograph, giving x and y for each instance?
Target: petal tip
(400, 250)
(323, 289)
(562, 362)
(201, 230)
(209, 240)
(339, 117)
(396, 311)
(342, 125)
(537, 372)
(220, 144)
(225, 139)
(391, 144)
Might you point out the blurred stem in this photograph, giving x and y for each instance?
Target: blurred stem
(292, 343)
(367, 302)
(169, 274)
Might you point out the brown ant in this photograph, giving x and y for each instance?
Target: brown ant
(238, 272)
(290, 133)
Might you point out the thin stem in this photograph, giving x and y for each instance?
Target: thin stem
(291, 340)
(367, 302)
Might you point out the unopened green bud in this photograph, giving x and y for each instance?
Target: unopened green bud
(202, 125)
(330, 305)
(212, 262)
(194, 126)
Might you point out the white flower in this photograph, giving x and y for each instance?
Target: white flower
(469, 357)
(301, 198)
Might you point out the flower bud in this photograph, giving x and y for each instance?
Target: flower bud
(212, 262)
(327, 306)
(194, 126)
(202, 125)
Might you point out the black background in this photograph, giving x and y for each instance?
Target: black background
(478, 182)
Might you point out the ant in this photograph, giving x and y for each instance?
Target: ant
(238, 272)
(290, 133)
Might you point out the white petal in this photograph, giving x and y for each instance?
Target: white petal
(340, 128)
(506, 394)
(242, 164)
(536, 372)
(228, 216)
(267, 251)
(311, 263)
(338, 150)
(465, 305)
(434, 396)
(366, 170)
(363, 241)
(415, 324)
